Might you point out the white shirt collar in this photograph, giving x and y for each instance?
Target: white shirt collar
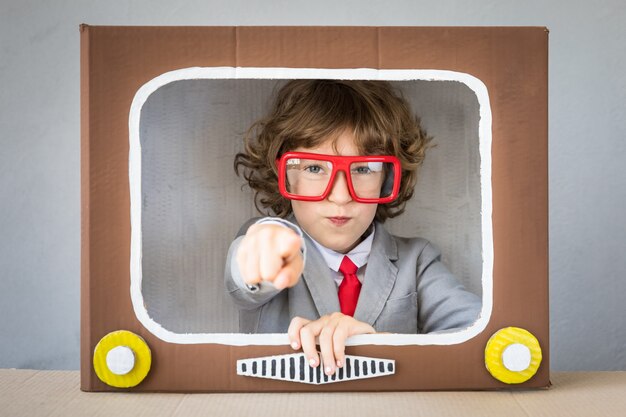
(359, 255)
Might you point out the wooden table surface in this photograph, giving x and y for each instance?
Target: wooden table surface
(57, 393)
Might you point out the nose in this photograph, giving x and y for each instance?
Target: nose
(339, 193)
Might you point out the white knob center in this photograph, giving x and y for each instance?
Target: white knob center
(121, 360)
(516, 357)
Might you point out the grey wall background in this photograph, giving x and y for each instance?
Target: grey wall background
(40, 156)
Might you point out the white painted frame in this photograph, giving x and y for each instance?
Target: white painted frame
(240, 339)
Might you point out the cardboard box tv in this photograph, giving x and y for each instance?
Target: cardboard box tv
(163, 112)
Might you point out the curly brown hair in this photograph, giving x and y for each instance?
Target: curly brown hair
(307, 113)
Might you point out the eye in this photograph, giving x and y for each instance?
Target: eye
(313, 169)
(363, 169)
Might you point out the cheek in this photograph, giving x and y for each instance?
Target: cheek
(303, 210)
(368, 212)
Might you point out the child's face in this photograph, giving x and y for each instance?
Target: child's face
(336, 222)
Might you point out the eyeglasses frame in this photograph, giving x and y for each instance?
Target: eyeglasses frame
(339, 163)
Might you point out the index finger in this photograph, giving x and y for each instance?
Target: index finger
(294, 331)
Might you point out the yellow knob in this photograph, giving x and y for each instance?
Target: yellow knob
(513, 355)
(122, 359)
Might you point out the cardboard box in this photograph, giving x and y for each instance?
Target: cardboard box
(134, 79)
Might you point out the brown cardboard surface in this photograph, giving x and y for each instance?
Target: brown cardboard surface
(56, 393)
(512, 62)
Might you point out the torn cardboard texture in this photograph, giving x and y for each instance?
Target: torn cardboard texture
(118, 62)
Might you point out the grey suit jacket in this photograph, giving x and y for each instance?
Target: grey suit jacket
(406, 289)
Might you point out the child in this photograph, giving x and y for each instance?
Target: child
(333, 160)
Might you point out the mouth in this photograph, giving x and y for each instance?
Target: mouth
(339, 220)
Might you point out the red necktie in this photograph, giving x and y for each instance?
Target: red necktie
(349, 288)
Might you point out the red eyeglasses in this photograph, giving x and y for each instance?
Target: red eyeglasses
(310, 176)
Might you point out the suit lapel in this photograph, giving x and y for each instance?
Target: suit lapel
(318, 278)
(380, 277)
(319, 281)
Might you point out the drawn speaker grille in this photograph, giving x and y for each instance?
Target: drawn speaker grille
(295, 368)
